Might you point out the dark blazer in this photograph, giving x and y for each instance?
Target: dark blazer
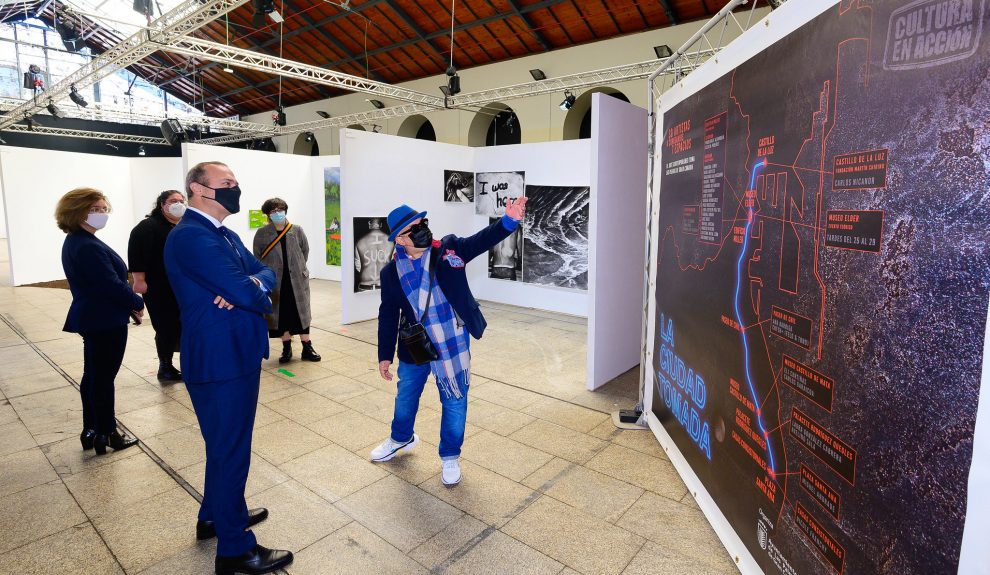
(217, 344)
(101, 297)
(452, 254)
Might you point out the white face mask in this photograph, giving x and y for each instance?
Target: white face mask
(97, 221)
(177, 209)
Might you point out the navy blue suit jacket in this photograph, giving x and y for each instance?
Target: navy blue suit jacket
(101, 297)
(217, 344)
(451, 257)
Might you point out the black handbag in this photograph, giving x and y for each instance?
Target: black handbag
(414, 336)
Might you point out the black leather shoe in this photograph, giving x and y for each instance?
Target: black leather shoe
(169, 373)
(255, 562)
(308, 353)
(86, 438)
(207, 530)
(286, 352)
(115, 440)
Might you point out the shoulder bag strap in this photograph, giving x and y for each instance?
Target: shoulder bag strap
(275, 242)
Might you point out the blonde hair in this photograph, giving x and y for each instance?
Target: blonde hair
(73, 208)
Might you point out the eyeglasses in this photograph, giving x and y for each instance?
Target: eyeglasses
(98, 210)
(424, 223)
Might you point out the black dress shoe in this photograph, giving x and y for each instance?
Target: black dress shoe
(169, 373)
(207, 530)
(86, 438)
(308, 353)
(255, 562)
(115, 440)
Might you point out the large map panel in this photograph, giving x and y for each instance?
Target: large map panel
(822, 283)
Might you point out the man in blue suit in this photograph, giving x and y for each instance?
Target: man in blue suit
(222, 290)
(426, 283)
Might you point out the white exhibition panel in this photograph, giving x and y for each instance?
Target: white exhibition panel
(152, 176)
(378, 173)
(33, 182)
(264, 175)
(566, 163)
(3, 215)
(617, 240)
(318, 267)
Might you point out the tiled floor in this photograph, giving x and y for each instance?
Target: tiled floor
(550, 485)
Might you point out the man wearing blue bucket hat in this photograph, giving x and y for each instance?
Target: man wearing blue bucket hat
(426, 283)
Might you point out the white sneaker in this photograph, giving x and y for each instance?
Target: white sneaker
(389, 449)
(451, 474)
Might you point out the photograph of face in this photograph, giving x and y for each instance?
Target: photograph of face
(458, 186)
(372, 251)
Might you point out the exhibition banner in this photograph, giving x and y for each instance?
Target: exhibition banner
(822, 278)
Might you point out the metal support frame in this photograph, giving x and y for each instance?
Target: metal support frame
(207, 50)
(183, 19)
(698, 48)
(70, 133)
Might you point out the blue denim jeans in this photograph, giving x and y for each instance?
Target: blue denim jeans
(412, 380)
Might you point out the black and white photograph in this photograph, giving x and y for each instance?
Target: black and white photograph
(555, 236)
(492, 190)
(505, 260)
(372, 251)
(458, 187)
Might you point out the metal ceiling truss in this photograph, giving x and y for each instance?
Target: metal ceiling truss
(70, 133)
(206, 50)
(475, 99)
(170, 27)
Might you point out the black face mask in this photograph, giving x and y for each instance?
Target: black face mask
(420, 235)
(229, 198)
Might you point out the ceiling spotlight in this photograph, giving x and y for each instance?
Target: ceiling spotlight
(453, 85)
(774, 4)
(54, 111)
(142, 151)
(376, 128)
(537, 74)
(322, 114)
(663, 51)
(446, 91)
(376, 103)
(77, 98)
(568, 101)
(113, 147)
(2, 141)
(310, 137)
(29, 122)
(228, 69)
(278, 116)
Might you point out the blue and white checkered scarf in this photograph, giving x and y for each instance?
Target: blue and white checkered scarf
(453, 370)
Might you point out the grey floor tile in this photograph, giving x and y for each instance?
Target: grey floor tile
(15, 437)
(566, 414)
(654, 559)
(506, 395)
(400, 513)
(297, 517)
(36, 513)
(50, 415)
(114, 488)
(350, 550)
(338, 387)
(484, 494)
(197, 559)
(574, 538)
(68, 458)
(650, 473)
(285, 440)
(496, 418)
(503, 455)
(351, 429)
(33, 383)
(261, 477)
(23, 470)
(157, 419)
(560, 441)
(675, 527)
(594, 493)
(332, 472)
(77, 550)
(305, 407)
(180, 448)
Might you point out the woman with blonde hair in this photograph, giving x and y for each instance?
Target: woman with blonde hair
(102, 302)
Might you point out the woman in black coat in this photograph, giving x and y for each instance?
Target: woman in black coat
(102, 303)
(146, 258)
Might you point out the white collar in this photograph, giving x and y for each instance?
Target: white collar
(213, 220)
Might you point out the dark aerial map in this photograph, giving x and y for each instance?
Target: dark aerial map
(822, 284)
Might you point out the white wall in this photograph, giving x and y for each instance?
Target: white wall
(3, 215)
(152, 176)
(318, 267)
(617, 240)
(264, 175)
(377, 174)
(564, 163)
(34, 181)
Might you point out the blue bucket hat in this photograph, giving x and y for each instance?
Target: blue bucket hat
(400, 218)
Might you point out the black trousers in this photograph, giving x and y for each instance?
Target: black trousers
(103, 352)
(165, 319)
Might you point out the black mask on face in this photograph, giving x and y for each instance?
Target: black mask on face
(420, 235)
(229, 198)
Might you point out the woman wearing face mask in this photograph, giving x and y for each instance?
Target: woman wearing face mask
(102, 302)
(146, 260)
(283, 247)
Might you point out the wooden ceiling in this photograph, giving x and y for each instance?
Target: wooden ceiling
(390, 41)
